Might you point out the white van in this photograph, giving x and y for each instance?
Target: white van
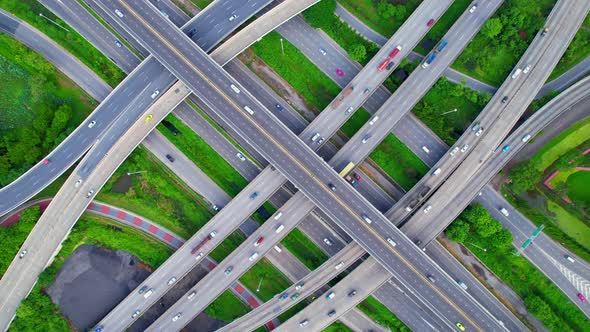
(373, 120)
(278, 249)
(504, 212)
(462, 284)
(253, 257)
(425, 149)
(367, 219)
(516, 73)
(315, 137)
(569, 258)
(280, 228)
(436, 171)
(148, 293)
(235, 88)
(249, 110)
(278, 215)
(390, 241)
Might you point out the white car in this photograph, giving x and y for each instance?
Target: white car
(78, 183)
(299, 286)
(327, 241)
(393, 244)
(175, 318)
(526, 69)
(322, 51)
(478, 133)
(171, 281)
(427, 209)
(465, 148)
(454, 151)
(233, 17)
(191, 295)
(240, 156)
(339, 265)
(526, 137)
(92, 123)
(135, 314)
(472, 9)
(155, 94)
(200, 255)
(23, 253)
(118, 12)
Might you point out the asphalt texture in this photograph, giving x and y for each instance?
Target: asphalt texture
(92, 281)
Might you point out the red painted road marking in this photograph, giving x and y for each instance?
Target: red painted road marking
(239, 289)
(121, 215)
(153, 229)
(137, 221)
(168, 237)
(105, 209)
(252, 302)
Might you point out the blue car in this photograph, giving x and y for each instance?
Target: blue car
(280, 107)
(99, 328)
(506, 148)
(284, 296)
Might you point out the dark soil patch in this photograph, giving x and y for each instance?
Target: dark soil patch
(123, 184)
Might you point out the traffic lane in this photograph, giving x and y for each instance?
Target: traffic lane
(214, 22)
(72, 11)
(182, 261)
(194, 81)
(448, 263)
(527, 87)
(113, 23)
(173, 13)
(311, 282)
(232, 267)
(316, 313)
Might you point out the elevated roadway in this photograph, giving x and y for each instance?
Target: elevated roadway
(293, 159)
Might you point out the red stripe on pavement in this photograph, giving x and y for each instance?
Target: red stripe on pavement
(137, 221)
(121, 215)
(252, 302)
(153, 229)
(105, 209)
(91, 206)
(239, 289)
(168, 237)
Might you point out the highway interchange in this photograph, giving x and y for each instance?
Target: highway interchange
(339, 186)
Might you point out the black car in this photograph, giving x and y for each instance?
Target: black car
(332, 313)
(352, 293)
(504, 100)
(390, 65)
(169, 157)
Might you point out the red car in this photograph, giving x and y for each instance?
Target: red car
(45, 161)
(357, 177)
(259, 241)
(339, 72)
(383, 64)
(430, 23)
(581, 297)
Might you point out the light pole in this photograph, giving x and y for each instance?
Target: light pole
(260, 283)
(475, 245)
(282, 48)
(453, 111)
(52, 21)
(133, 173)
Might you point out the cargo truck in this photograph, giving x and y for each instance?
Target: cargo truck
(429, 60)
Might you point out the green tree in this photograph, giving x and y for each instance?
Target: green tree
(524, 177)
(563, 163)
(492, 28)
(321, 14)
(502, 239)
(458, 231)
(357, 52)
(385, 9)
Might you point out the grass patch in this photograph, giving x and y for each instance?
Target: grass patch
(399, 162)
(495, 50)
(313, 85)
(202, 3)
(355, 122)
(444, 97)
(157, 195)
(304, 249)
(337, 326)
(29, 10)
(205, 157)
(366, 11)
(569, 224)
(578, 186)
(577, 50)
(273, 280)
(38, 312)
(228, 245)
(380, 314)
(227, 307)
(567, 140)
(40, 107)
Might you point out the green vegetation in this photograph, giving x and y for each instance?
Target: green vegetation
(578, 187)
(273, 281)
(285, 316)
(355, 122)
(13, 237)
(202, 3)
(381, 15)
(570, 224)
(578, 49)
(40, 107)
(155, 194)
(311, 83)
(228, 245)
(38, 312)
(541, 296)
(567, 140)
(337, 326)
(399, 162)
(304, 249)
(30, 10)
(321, 15)
(444, 97)
(496, 49)
(227, 307)
(205, 157)
(380, 314)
